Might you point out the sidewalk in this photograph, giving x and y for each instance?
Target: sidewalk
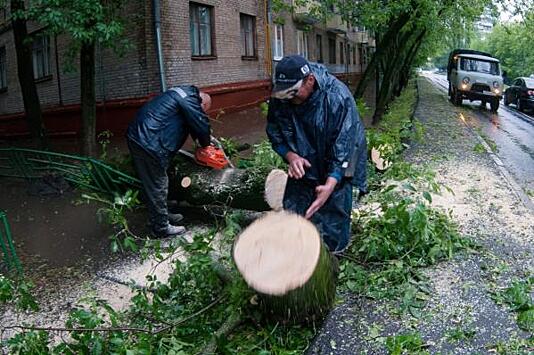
(460, 317)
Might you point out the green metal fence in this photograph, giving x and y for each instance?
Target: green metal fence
(83, 172)
(9, 256)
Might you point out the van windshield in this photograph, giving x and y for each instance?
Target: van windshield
(481, 66)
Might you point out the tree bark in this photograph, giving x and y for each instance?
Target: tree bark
(88, 99)
(282, 258)
(237, 188)
(394, 63)
(30, 97)
(381, 50)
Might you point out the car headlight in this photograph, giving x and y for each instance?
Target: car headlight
(466, 80)
(496, 84)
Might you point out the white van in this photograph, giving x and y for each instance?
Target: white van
(474, 75)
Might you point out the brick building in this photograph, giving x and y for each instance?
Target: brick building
(222, 46)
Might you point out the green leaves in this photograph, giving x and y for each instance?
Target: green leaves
(518, 297)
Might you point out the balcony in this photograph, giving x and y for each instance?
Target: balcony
(336, 25)
(305, 15)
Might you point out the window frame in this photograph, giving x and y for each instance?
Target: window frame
(305, 43)
(332, 51)
(212, 54)
(319, 48)
(341, 53)
(276, 55)
(244, 47)
(3, 69)
(41, 53)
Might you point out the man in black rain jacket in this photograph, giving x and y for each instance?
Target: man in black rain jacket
(154, 137)
(313, 123)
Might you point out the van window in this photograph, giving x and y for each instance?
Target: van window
(480, 66)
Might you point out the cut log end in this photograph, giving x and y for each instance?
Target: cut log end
(278, 253)
(186, 182)
(275, 186)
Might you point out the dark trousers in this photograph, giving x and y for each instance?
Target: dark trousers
(155, 185)
(332, 219)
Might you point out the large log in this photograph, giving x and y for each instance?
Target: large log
(237, 188)
(281, 256)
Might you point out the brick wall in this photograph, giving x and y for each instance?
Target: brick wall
(136, 73)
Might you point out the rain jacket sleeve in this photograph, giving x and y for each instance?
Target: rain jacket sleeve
(345, 125)
(197, 120)
(274, 130)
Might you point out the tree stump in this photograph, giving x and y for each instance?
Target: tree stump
(281, 256)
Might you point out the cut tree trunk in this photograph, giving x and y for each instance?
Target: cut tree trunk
(198, 185)
(275, 187)
(281, 256)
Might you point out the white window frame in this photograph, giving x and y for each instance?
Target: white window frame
(248, 35)
(41, 57)
(278, 52)
(200, 31)
(302, 44)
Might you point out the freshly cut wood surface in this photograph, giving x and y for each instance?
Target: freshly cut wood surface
(278, 253)
(380, 163)
(275, 186)
(186, 182)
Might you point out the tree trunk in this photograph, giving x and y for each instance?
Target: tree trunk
(30, 97)
(281, 256)
(88, 99)
(198, 185)
(381, 50)
(394, 63)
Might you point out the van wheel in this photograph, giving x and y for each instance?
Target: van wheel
(494, 105)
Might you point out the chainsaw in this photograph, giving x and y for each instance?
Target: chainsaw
(212, 156)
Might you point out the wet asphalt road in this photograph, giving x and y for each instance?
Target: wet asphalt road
(511, 130)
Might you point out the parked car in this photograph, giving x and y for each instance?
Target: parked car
(521, 94)
(474, 75)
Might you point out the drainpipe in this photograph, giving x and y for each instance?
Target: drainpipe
(156, 9)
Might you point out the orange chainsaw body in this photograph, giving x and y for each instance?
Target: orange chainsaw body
(212, 157)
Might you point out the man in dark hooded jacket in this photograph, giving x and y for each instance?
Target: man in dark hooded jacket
(159, 130)
(313, 123)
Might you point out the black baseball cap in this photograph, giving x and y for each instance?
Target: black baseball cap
(289, 73)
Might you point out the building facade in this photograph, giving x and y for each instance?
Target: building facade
(226, 47)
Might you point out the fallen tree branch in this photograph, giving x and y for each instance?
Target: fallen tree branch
(59, 329)
(181, 321)
(226, 328)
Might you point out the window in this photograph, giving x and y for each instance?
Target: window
(349, 48)
(332, 50)
(41, 57)
(480, 66)
(319, 48)
(341, 53)
(248, 36)
(3, 69)
(302, 44)
(354, 55)
(278, 42)
(200, 29)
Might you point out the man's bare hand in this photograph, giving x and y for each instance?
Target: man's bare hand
(297, 165)
(323, 192)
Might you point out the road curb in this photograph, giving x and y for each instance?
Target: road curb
(517, 190)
